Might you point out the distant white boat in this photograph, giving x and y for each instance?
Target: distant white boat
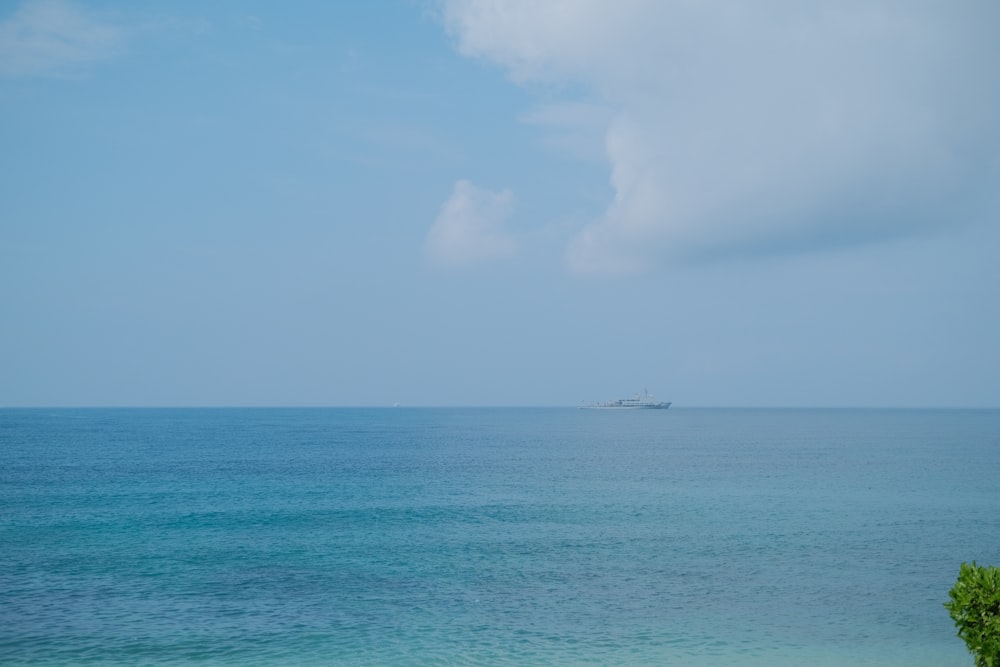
(643, 401)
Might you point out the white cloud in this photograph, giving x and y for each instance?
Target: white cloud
(766, 126)
(469, 229)
(54, 38)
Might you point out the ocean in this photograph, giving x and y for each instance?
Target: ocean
(504, 536)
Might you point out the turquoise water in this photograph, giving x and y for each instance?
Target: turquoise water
(491, 536)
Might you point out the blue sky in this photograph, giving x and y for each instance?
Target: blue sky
(499, 203)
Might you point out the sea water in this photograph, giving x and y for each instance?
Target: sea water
(491, 536)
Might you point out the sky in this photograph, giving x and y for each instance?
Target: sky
(486, 202)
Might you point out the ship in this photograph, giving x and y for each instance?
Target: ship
(643, 401)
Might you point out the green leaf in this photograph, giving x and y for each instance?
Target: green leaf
(975, 609)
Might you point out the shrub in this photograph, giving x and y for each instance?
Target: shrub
(975, 608)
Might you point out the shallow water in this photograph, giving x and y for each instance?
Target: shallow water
(491, 536)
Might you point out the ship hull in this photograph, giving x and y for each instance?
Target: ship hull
(658, 406)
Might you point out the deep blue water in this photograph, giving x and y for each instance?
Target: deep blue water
(491, 536)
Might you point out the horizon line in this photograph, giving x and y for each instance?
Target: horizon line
(393, 406)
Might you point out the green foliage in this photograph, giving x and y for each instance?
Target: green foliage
(975, 608)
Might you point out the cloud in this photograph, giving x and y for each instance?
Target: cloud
(469, 228)
(747, 128)
(53, 38)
